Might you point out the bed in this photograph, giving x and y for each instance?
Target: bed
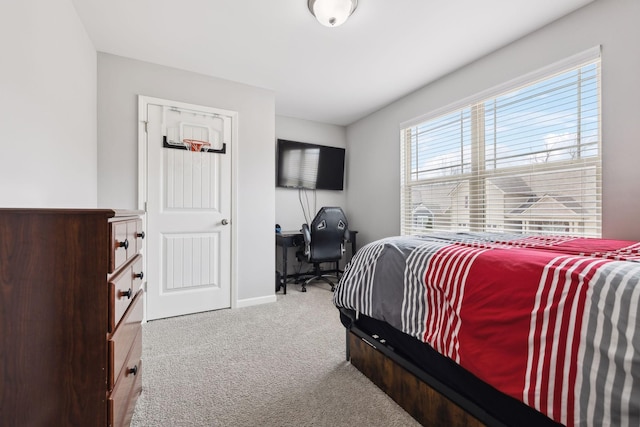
(506, 329)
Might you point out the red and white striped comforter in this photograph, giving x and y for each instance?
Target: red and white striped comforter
(551, 321)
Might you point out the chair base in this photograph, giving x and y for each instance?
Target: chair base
(319, 274)
(311, 279)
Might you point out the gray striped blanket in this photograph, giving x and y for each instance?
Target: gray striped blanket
(552, 321)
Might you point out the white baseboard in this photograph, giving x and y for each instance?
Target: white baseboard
(255, 301)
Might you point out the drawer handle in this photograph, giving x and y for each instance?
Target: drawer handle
(139, 275)
(134, 370)
(124, 244)
(140, 235)
(126, 294)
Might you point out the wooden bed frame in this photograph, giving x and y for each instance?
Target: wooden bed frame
(425, 398)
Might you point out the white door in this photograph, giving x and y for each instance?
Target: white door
(188, 204)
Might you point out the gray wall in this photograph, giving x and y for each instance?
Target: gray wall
(121, 80)
(47, 106)
(288, 209)
(374, 180)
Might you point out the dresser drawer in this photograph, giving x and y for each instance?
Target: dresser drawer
(122, 401)
(134, 229)
(122, 288)
(126, 336)
(126, 242)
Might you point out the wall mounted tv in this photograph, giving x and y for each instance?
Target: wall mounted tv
(309, 166)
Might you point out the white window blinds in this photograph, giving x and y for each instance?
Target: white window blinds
(524, 160)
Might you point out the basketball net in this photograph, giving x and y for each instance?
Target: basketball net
(196, 144)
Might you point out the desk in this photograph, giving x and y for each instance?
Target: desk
(294, 239)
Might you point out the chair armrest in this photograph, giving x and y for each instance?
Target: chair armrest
(306, 235)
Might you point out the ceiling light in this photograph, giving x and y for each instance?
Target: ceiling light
(332, 13)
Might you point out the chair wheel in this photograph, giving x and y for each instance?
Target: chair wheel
(304, 289)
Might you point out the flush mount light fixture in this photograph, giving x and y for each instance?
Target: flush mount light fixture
(332, 13)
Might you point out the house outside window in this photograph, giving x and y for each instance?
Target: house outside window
(524, 159)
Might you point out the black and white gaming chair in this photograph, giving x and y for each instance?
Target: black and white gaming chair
(324, 242)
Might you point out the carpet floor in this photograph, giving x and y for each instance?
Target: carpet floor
(277, 364)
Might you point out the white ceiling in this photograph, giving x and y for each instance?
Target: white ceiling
(387, 49)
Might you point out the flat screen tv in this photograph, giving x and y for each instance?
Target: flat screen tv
(309, 166)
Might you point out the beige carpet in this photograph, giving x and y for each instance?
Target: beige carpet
(279, 364)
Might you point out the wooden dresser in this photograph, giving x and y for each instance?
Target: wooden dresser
(70, 316)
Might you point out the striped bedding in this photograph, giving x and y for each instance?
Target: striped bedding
(551, 321)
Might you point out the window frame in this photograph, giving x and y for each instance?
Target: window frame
(477, 174)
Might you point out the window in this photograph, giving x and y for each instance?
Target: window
(525, 159)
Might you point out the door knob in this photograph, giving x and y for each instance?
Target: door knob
(225, 221)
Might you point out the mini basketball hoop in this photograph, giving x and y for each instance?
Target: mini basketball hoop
(195, 144)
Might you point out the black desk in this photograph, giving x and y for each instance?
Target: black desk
(294, 239)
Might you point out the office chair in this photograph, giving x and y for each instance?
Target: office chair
(323, 242)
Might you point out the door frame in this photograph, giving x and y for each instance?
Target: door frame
(143, 102)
